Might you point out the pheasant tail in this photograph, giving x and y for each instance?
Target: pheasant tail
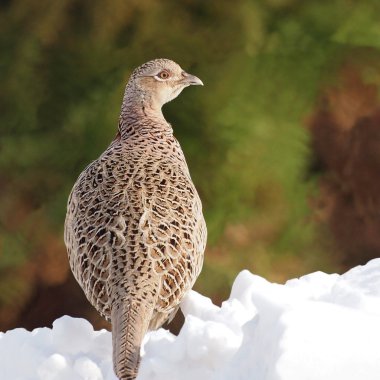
(130, 321)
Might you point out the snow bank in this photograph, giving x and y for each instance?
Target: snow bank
(317, 327)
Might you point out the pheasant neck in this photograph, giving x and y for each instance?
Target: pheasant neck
(140, 114)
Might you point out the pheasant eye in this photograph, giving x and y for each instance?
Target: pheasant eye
(163, 75)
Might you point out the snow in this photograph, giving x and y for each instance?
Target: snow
(320, 326)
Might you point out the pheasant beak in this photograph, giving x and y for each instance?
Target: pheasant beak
(191, 80)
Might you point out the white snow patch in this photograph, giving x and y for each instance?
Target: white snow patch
(317, 327)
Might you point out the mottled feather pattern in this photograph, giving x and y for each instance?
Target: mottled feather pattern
(134, 228)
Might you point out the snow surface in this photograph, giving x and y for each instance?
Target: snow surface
(317, 327)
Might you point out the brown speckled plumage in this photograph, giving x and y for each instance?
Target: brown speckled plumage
(134, 229)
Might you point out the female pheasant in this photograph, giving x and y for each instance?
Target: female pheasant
(134, 229)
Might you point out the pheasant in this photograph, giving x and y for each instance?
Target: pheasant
(134, 230)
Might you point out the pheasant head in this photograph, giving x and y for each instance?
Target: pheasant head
(157, 82)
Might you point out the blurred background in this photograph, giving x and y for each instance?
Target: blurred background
(283, 142)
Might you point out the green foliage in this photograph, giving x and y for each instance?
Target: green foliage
(62, 72)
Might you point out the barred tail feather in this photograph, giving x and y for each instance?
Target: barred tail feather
(130, 321)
